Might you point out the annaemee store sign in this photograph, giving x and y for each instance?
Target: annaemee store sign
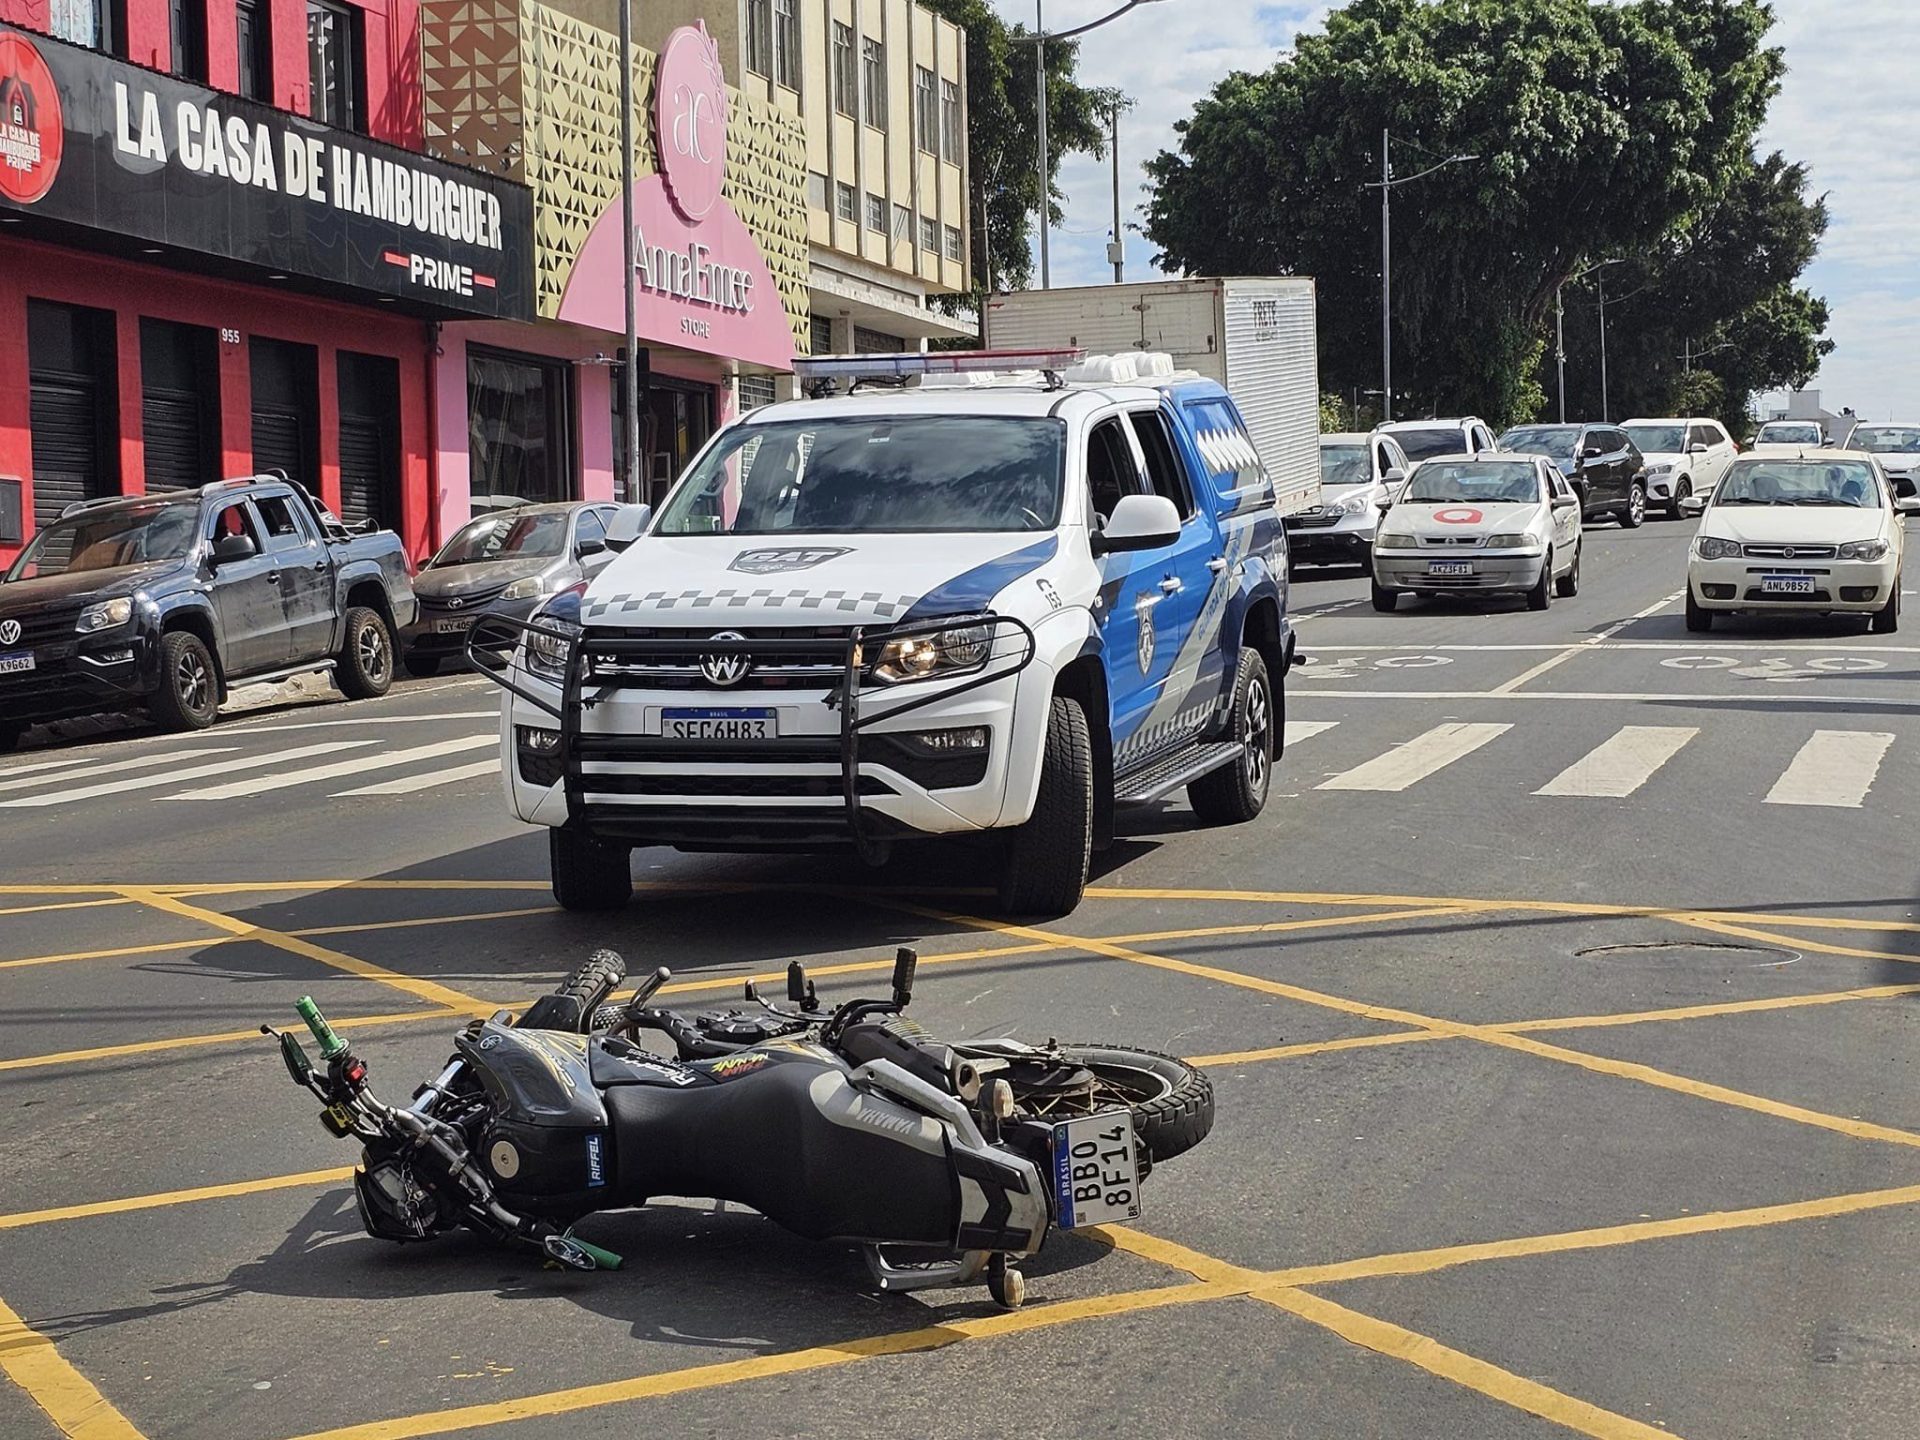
(90, 141)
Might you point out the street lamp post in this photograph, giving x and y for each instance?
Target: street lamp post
(1386, 184)
(630, 374)
(1560, 348)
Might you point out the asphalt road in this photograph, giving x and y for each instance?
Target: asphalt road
(1561, 1008)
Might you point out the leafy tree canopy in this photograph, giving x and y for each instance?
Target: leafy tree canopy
(1600, 129)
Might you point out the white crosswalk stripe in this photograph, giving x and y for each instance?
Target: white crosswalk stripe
(1408, 764)
(192, 772)
(1616, 768)
(1294, 731)
(432, 780)
(260, 785)
(88, 771)
(1835, 768)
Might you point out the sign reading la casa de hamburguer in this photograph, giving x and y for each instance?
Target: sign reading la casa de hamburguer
(90, 141)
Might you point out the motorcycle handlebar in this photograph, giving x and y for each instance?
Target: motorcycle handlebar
(331, 1045)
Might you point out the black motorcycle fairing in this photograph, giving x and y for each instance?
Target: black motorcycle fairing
(785, 1135)
(534, 1077)
(613, 1061)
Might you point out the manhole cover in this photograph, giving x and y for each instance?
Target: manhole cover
(1715, 954)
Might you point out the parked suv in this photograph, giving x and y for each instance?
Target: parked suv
(928, 611)
(1359, 475)
(1683, 457)
(1424, 439)
(161, 602)
(1603, 466)
(1897, 448)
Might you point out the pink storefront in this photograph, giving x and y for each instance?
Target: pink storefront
(533, 412)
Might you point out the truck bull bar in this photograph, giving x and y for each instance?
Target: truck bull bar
(496, 644)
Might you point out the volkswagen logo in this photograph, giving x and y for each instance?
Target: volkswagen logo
(9, 632)
(454, 602)
(725, 670)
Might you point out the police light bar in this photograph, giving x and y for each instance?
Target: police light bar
(932, 362)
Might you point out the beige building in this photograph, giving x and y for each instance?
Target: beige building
(880, 88)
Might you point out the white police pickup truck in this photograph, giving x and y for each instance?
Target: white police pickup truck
(965, 601)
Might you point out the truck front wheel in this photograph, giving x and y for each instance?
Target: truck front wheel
(188, 697)
(364, 666)
(1237, 793)
(1044, 868)
(589, 874)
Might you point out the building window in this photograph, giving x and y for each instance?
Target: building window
(873, 64)
(950, 141)
(954, 241)
(519, 445)
(877, 214)
(675, 420)
(755, 391)
(846, 95)
(816, 190)
(819, 335)
(929, 235)
(786, 43)
(901, 221)
(846, 203)
(187, 23)
(867, 342)
(254, 31)
(926, 111)
(333, 65)
(760, 37)
(97, 24)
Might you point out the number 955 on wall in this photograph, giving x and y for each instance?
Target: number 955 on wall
(1096, 1176)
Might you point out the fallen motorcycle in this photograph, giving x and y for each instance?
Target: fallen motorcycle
(944, 1162)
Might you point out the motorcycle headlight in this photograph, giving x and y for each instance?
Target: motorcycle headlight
(1395, 540)
(940, 652)
(1517, 540)
(1712, 547)
(1865, 550)
(525, 589)
(104, 616)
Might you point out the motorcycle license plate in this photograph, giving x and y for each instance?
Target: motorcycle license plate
(1787, 584)
(1096, 1176)
(453, 627)
(720, 724)
(1449, 567)
(16, 662)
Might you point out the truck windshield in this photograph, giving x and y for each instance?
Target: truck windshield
(110, 538)
(841, 474)
(507, 535)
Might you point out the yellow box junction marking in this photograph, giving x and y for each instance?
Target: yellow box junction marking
(70, 1400)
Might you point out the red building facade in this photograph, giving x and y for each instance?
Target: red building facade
(221, 251)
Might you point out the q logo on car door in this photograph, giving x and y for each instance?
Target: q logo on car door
(1143, 604)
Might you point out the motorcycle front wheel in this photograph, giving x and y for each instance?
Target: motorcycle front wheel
(1171, 1102)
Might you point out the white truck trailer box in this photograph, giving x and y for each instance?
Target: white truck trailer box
(1253, 334)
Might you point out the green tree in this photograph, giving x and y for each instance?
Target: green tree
(1003, 140)
(1600, 129)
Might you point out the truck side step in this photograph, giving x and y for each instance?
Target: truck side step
(1170, 772)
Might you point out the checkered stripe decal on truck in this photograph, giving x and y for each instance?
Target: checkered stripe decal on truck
(847, 602)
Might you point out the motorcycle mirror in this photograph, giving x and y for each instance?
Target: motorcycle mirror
(751, 991)
(298, 1065)
(905, 960)
(796, 981)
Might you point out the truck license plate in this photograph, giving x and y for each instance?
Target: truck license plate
(1449, 567)
(15, 662)
(720, 724)
(1787, 584)
(1096, 1175)
(454, 626)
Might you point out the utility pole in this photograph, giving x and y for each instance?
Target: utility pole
(1386, 276)
(1116, 252)
(630, 374)
(1606, 408)
(1560, 348)
(1040, 92)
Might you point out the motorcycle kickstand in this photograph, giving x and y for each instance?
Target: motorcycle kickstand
(1006, 1283)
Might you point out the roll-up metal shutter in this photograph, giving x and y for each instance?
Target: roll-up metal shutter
(173, 425)
(66, 447)
(277, 445)
(369, 485)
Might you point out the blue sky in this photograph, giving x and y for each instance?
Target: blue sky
(1847, 111)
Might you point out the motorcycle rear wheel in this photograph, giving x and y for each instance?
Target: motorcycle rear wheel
(1171, 1102)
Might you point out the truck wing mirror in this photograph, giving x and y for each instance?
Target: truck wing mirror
(1138, 522)
(626, 525)
(1393, 476)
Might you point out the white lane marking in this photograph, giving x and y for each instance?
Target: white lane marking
(1314, 614)
(1297, 730)
(1656, 645)
(173, 777)
(1835, 768)
(142, 762)
(1742, 700)
(386, 761)
(408, 784)
(1621, 764)
(1554, 661)
(1404, 765)
(261, 729)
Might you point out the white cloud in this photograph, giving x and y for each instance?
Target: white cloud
(1846, 110)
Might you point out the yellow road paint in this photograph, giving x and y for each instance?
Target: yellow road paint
(760, 1367)
(1317, 1047)
(1179, 1257)
(428, 990)
(1385, 1338)
(59, 889)
(1800, 942)
(225, 1037)
(66, 905)
(1318, 922)
(118, 951)
(70, 1400)
(166, 1198)
(1708, 1012)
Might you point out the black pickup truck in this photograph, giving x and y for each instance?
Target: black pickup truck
(161, 602)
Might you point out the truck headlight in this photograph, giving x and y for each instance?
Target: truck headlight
(104, 616)
(940, 652)
(1395, 540)
(1712, 547)
(1353, 505)
(1865, 550)
(525, 588)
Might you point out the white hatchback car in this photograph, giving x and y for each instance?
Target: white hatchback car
(1807, 531)
(1482, 524)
